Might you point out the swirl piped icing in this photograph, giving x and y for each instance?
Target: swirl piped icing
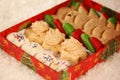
(72, 50)
(53, 38)
(39, 27)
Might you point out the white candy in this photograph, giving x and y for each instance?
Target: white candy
(50, 60)
(46, 58)
(17, 38)
(32, 48)
(60, 65)
(63, 65)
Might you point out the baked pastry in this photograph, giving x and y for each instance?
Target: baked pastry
(107, 35)
(50, 60)
(80, 20)
(39, 27)
(117, 32)
(53, 39)
(72, 50)
(98, 31)
(37, 31)
(90, 25)
(102, 20)
(34, 37)
(89, 22)
(93, 14)
(82, 10)
(62, 12)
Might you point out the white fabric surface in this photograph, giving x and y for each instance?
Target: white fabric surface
(15, 11)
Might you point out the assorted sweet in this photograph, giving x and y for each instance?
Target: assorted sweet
(52, 41)
(32, 48)
(72, 50)
(17, 38)
(60, 65)
(38, 28)
(69, 36)
(86, 41)
(35, 49)
(89, 21)
(36, 32)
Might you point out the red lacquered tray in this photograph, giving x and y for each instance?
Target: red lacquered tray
(45, 71)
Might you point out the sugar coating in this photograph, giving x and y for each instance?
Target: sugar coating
(60, 65)
(32, 48)
(49, 59)
(17, 38)
(46, 58)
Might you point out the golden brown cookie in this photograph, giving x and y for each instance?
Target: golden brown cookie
(107, 35)
(72, 50)
(118, 27)
(70, 16)
(39, 27)
(102, 20)
(33, 37)
(82, 10)
(117, 30)
(98, 31)
(92, 14)
(62, 12)
(110, 25)
(69, 57)
(53, 38)
(80, 20)
(90, 25)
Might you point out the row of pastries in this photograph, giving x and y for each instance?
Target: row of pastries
(49, 45)
(90, 22)
(55, 40)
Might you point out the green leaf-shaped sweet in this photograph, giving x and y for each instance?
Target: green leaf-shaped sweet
(75, 4)
(86, 40)
(113, 20)
(94, 11)
(50, 20)
(25, 25)
(68, 28)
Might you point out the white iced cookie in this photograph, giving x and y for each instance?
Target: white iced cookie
(45, 57)
(72, 50)
(32, 48)
(17, 38)
(60, 65)
(50, 60)
(39, 27)
(53, 39)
